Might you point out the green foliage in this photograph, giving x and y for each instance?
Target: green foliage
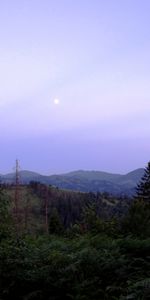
(91, 222)
(89, 260)
(55, 224)
(86, 267)
(4, 204)
(137, 221)
(143, 188)
(90, 218)
(5, 216)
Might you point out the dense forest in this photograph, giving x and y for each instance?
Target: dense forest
(59, 244)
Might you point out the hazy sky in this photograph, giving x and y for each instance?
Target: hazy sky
(94, 57)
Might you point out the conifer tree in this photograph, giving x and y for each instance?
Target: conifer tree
(143, 188)
(5, 217)
(55, 224)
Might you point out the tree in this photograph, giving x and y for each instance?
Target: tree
(143, 188)
(55, 224)
(5, 217)
(89, 218)
(137, 221)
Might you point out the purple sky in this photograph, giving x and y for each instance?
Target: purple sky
(92, 55)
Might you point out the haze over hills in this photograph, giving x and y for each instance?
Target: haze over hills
(84, 181)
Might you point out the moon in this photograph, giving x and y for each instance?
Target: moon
(56, 101)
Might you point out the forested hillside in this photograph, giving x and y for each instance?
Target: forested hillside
(84, 181)
(58, 244)
(36, 199)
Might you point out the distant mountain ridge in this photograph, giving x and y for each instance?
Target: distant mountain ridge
(84, 181)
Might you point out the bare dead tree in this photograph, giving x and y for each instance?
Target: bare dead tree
(46, 209)
(16, 198)
(26, 212)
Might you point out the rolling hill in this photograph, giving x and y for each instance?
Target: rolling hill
(85, 181)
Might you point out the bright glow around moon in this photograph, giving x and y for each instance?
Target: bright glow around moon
(56, 101)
